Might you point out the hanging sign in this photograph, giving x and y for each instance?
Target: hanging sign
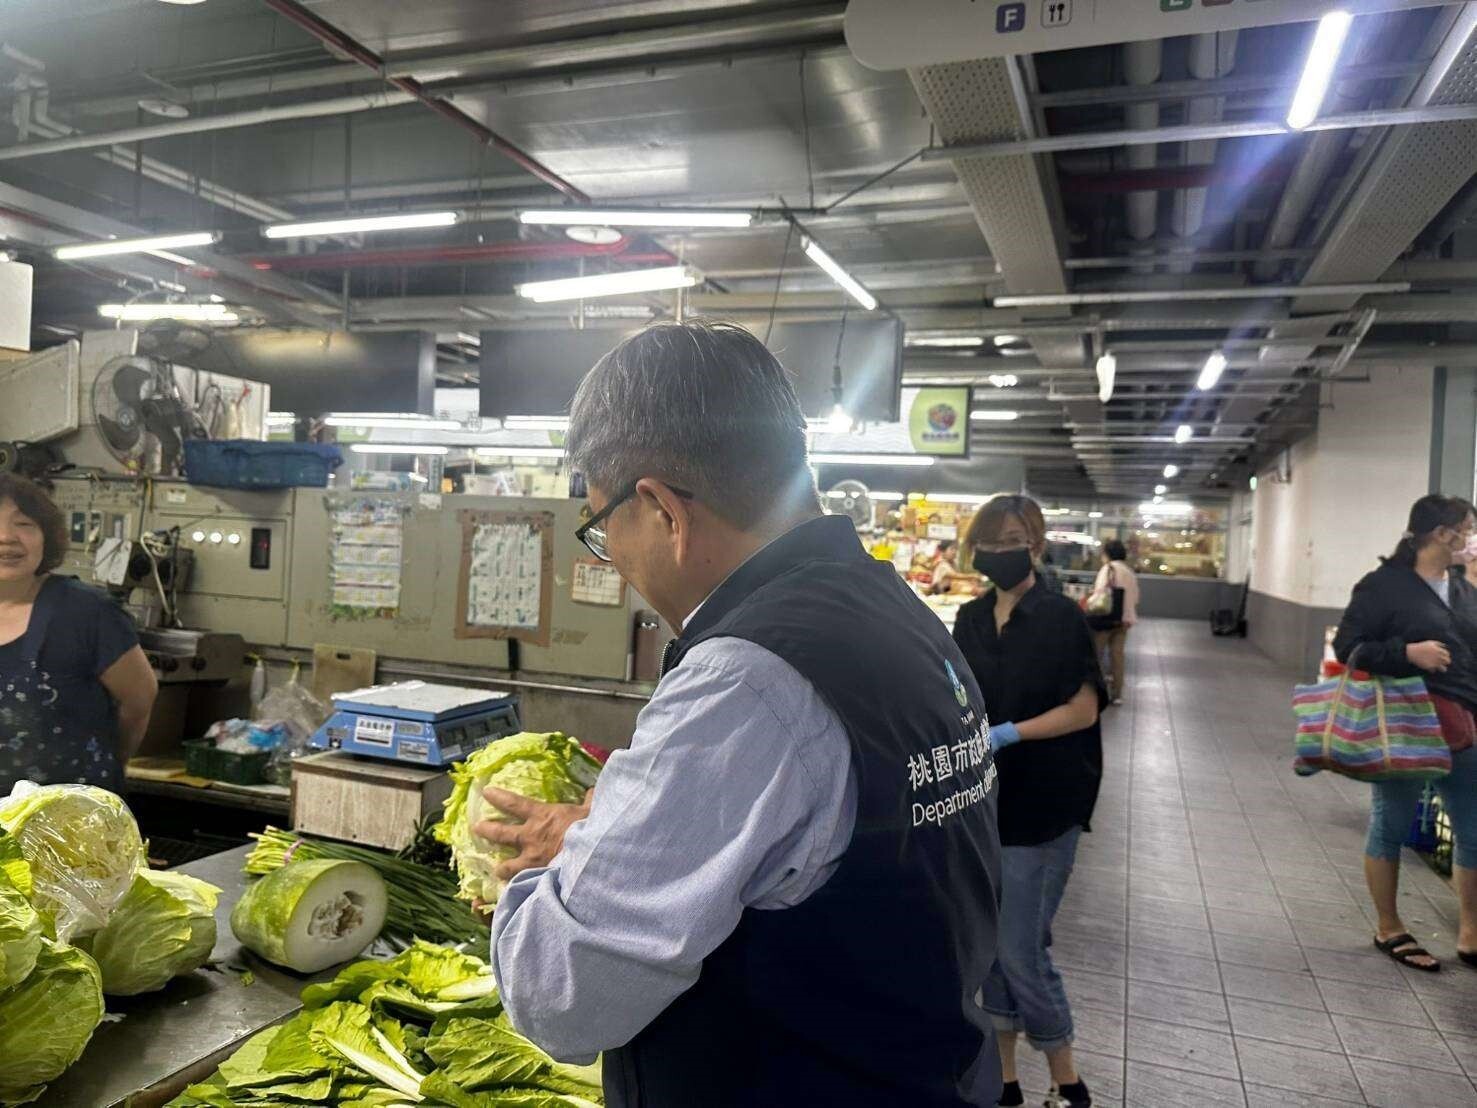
(888, 34)
(938, 421)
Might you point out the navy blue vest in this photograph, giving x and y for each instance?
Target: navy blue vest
(863, 994)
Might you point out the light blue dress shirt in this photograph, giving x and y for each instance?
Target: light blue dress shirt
(737, 792)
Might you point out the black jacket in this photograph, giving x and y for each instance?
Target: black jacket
(1394, 607)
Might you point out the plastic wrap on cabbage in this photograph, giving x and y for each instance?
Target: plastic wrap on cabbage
(164, 927)
(552, 768)
(47, 1020)
(20, 926)
(83, 848)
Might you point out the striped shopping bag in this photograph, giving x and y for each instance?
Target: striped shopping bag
(1370, 728)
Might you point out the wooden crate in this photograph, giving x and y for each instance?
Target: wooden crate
(361, 800)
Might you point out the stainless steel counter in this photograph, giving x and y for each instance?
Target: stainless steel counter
(186, 1026)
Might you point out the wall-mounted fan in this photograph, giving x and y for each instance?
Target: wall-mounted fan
(142, 417)
(853, 499)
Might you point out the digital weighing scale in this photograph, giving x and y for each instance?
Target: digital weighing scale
(414, 721)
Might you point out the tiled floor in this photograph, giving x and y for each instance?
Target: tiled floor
(1215, 937)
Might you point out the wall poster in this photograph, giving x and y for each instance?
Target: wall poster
(505, 584)
(364, 557)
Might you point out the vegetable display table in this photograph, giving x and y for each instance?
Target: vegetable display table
(179, 1034)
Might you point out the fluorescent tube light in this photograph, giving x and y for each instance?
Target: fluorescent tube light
(972, 500)
(352, 225)
(853, 287)
(1215, 365)
(874, 459)
(397, 448)
(136, 246)
(1004, 380)
(996, 415)
(946, 340)
(1006, 340)
(1107, 373)
(609, 284)
(190, 313)
(281, 419)
(1171, 471)
(1323, 56)
(875, 495)
(535, 423)
(1183, 433)
(1162, 507)
(519, 452)
(606, 217)
(392, 423)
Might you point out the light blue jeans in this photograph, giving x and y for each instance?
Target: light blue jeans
(1024, 991)
(1392, 808)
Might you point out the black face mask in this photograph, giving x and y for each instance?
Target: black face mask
(1005, 569)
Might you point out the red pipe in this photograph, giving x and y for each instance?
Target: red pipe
(337, 40)
(453, 255)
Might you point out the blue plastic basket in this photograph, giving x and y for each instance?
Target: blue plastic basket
(248, 464)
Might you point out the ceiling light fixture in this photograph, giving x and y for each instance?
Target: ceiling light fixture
(535, 423)
(1094, 515)
(1006, 340)
(1171, 471)
(873, 459)
(392, 422)
(635, 217)
(853, 287)
(136, 246)
(1183, 433)
(1160, 490)
(1107, 373)
(945, 340)
(189, 313)
(354, 225)
(996, 415)
(1215, 365)
(519, 452)
(594, 236)
(398, 448)
(166, 109)
(839, 422)
(1004, 380)
(1323, 56)
(182, 3)
(609, 284)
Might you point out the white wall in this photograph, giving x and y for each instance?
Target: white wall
(1351, 488)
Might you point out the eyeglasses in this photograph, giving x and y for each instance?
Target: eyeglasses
(593, 532)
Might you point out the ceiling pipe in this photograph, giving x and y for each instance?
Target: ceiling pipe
(337, 40)
(1141, 66)
(315, 109)
(1212, 56)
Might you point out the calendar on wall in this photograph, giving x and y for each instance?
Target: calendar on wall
(504, 588)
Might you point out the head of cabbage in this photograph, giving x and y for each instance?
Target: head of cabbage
(83, 848)
(552, 768)
(20, 926)
(164, 927)
(47, 1020)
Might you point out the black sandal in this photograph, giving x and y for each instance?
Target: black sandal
(1402, 949)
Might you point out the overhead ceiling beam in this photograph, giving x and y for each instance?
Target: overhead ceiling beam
(1195, 132)
(1214, 86)
(335, 39)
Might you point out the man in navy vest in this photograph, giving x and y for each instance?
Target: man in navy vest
(784, 892)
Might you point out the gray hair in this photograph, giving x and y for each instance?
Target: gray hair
(703, 406)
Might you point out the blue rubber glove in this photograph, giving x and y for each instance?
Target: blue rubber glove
(1003, 735)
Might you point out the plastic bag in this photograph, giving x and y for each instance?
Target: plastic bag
(294, 713)
(83, 847)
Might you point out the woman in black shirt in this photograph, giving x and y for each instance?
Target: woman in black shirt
(1413, 617)
(1032, 654)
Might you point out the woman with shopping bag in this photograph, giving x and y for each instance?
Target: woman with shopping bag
(1411, 618)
